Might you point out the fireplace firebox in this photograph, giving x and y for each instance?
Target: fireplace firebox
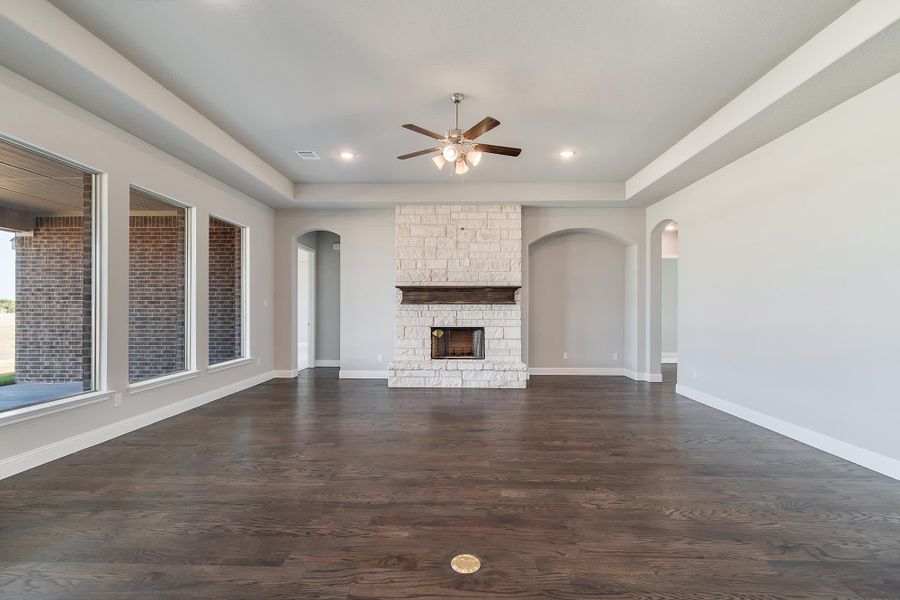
(457, 342)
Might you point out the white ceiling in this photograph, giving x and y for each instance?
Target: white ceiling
(617, 80)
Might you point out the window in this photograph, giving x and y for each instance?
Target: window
(158, 283)
(47, 278)
(227, 340)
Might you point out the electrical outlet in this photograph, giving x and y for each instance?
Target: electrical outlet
(565, 356)
(379, 358)
(615, 356)
(695, 374)
(117, 399)
(258, 362)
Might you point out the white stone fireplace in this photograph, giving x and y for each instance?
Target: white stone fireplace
(469, 254)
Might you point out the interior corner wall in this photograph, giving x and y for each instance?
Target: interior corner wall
(789, 281)
(33, 115)
(367, 292)
(577, 298)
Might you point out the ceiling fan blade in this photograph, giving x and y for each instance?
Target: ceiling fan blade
(419, 153)
(423, 131)
(504, 150)
(481, 127)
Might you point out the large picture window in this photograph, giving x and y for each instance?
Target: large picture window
(227, 338)
(47, 278)
(158, 285)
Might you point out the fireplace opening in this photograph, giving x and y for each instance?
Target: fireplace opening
(457, 342)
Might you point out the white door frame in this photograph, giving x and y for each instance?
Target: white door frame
(311, 305)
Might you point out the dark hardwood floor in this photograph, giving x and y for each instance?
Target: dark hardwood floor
(578, 487)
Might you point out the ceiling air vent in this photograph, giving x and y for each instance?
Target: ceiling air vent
(307, 155)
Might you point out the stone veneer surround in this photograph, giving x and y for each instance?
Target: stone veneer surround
(458, 245)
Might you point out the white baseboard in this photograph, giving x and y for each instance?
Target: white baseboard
(596, 371)
(651, 377)
(44, 454)
(603, 371)
(356, 374)
(289, 374)
(862, 457)
(669, 358)
(328, 363)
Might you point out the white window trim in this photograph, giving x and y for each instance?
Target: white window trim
(17, 415)
(99, 295)
(245, 296)
(190, 292)
(149, 384)
(228, 364)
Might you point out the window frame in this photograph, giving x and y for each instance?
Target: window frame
(190, 294)
(99, 391)
(245, 356)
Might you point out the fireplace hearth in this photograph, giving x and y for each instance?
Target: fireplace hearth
(457, 342)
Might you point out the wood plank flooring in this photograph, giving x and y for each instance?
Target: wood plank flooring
(578, 487)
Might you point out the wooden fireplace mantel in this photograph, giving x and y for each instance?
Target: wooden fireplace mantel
(458, 294)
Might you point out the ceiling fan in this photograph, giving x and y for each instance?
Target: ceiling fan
(459, 147)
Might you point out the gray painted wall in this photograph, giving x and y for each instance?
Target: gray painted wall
(624, 226)
(669, 306)
(34, 115)
(789, 280)
(576, 301)
(367, 294)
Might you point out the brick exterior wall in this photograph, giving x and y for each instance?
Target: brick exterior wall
(156, 305)
(224, 291)
(53, 301)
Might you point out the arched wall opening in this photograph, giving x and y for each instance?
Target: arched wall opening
(581, 316)
(662, 293)
(318, 300)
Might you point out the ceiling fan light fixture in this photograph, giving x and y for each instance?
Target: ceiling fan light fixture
(450, 152)
(457, 146)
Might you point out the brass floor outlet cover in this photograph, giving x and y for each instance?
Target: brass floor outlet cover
(465, 563)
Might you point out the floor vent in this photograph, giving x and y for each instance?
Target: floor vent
(465, 563)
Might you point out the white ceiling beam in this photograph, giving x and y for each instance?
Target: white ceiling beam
(346, 195)
(38, 26)
(860, 24)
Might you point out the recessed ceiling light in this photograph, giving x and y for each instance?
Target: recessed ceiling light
(567, 154)
(347, 155)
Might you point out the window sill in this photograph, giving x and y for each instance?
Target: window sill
(229, 364)
(150, 384)
(17, 415)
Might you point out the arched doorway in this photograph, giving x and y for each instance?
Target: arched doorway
(662, 347)
(318, 300)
